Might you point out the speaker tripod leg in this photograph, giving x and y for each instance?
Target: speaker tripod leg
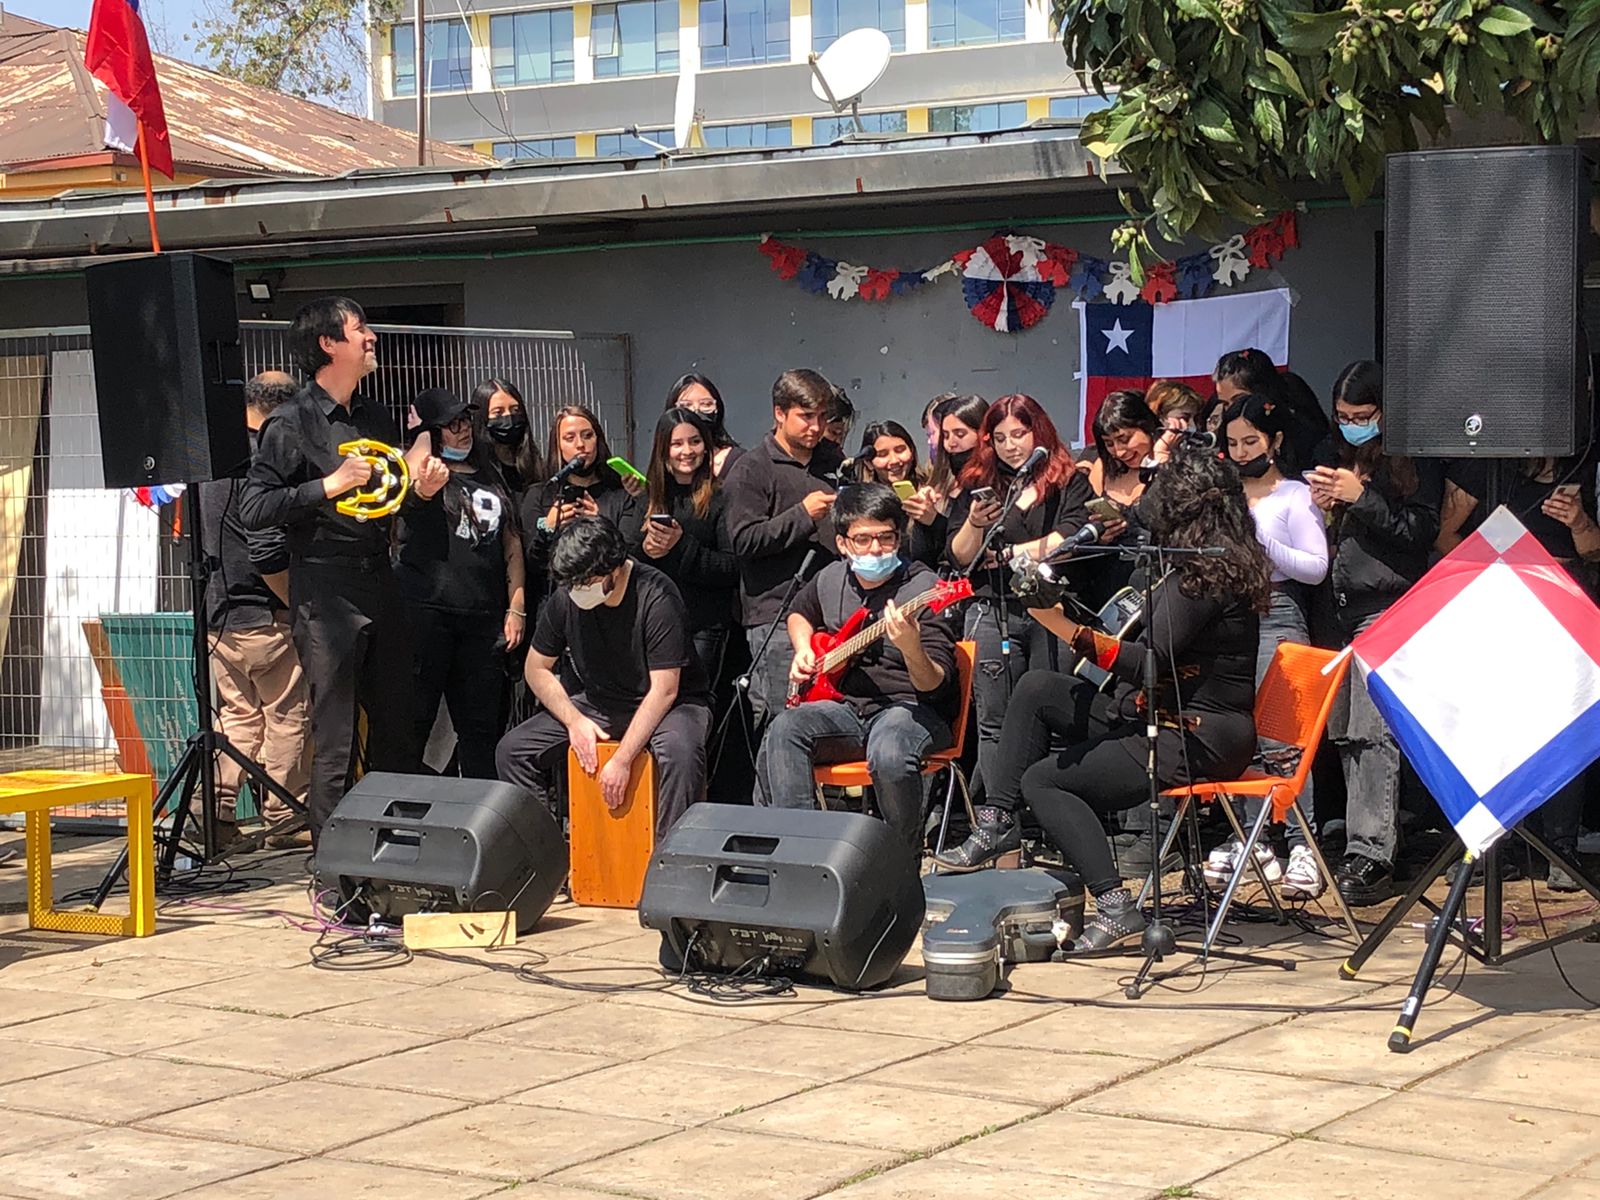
(178, 777)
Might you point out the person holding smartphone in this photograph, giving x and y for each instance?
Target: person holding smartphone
(591, 489)
(1049, 509)
(888, 455)
(684, 532)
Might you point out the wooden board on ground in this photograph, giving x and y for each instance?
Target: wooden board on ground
(453, 931)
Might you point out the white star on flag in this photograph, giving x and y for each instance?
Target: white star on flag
(1117, 337)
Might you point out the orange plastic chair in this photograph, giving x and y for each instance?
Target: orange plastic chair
(855, 774)
(1292, 706)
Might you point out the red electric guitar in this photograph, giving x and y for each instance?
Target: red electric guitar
(835, 650)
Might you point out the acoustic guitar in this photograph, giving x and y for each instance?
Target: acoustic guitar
(835, 650)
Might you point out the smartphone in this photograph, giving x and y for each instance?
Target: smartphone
(661, 519)
(1104, 510)
(625, 468)
(1311, 475)
(1570, 489)
(982, 495)
(904, 488)
(570, 493)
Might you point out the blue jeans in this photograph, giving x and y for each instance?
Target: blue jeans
(893, 741)
(1284, 621)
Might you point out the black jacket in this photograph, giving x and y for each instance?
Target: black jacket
(701, 563)
(237, 597)
(1382, 545)
(770, 530)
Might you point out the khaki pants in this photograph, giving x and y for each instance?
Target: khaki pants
(266, 713)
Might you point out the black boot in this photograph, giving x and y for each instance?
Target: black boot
(995, 832)
(1116, 920)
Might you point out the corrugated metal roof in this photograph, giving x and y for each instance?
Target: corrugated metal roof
(52, 110)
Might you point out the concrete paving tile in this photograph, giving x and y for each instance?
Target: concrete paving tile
(232, 945)
(126, 1164)
(1564, 1038)
(451, 1010)
(19, 1005)
(912, 1013)
(296, 991)
(1194, 1095)
(709, 1161)
(1514, 1076)
(676, 1093)
(26, 1060)
(1323, 1171)
(1590, 1169)
(1566, 1189)
(1036, 1077)
(565, 935)
(1473, 1131)
(1302, 1048)
(1064, 981)
(306, 1116)
(131, 978)
(321, 1178)
(874, 1114)
(608, 1028)
(564, 968)
(305, 1046)
(1114, 1149)
(939, 1178)
(119, 1091)
(1158, 1033)
(26, 1129)
(816, 1054)
(755, 1009)
(1436, 1026)
(505, 1141)
(468, 1070)
(134, 1026)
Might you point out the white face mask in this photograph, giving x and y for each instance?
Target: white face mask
(589, 595)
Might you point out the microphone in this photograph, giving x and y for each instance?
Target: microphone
(805, 564)
(1197, 439)
(1038, 456)
(574, 463)
(1092, 532)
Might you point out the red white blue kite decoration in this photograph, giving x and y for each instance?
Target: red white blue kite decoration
(1003, 285)
(1443, 672)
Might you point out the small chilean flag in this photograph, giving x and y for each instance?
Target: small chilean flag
(1488, 673)
(1133, 345)
(118, 55)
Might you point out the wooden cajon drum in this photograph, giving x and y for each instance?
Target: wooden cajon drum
(610, 850)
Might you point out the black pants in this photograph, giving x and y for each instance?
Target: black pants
(458, 657)
(532, 754)
(351, 632)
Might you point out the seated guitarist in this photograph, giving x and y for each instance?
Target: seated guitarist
(895, 699)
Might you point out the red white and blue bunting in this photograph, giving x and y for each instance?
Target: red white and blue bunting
(1010, 282)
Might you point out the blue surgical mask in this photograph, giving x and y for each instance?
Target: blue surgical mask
(1360, 435)
(874, 568)
(454, 453)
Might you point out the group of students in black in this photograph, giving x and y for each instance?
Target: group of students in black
(623, 593)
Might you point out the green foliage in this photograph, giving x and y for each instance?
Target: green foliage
(1221, 103)
(308, 48)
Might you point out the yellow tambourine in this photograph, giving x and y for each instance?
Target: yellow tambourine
(390, 481)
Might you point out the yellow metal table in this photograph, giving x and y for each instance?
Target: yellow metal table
(35, 793)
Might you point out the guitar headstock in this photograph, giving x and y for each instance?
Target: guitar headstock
(948, 592)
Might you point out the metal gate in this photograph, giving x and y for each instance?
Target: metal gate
(72, 550)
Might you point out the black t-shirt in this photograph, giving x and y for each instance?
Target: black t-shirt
(456, 563)
(1064, 511)
(614, 649)
(1525, 498)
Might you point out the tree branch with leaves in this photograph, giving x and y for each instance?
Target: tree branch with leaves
(1221, 104)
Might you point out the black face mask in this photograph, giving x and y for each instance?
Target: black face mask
(507, 431)
(1256, 467)
(958, 460)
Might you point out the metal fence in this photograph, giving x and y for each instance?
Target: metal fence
(73, 551)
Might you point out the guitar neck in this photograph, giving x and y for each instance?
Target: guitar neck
(864, 637)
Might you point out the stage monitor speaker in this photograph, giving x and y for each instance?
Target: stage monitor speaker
(168, 369)
(399, 844)
(818, 897)
(1483, 346)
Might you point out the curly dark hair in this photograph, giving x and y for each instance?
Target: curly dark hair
(1196, 500)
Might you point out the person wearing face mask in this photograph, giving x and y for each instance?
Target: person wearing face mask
(959, 419)
(1253, 371)
(1291, 531)
(888, 455)
(699, 395)
(899, 693)
(623, 627)
(591, 489)
(1384, 517)
(502, 422)
(459, 566)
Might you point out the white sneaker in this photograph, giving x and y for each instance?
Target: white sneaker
(1221, 862)
(1303, 880)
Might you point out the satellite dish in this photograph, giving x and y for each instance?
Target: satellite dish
(685, 121)
(846, 69)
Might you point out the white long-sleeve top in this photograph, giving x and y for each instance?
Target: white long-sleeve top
(1291, 530)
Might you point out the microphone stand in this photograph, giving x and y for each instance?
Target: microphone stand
(1002, 618)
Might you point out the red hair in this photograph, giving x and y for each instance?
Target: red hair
(983, 470)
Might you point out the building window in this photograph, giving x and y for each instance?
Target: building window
(537, 148)
(736, 33)
(974, 22)
(978, 118)
(636, 37)
(830, 129)
(625, 145)
(448, 51)
(738, 137)
(831, 18)
(1078, 107)
(531, 47)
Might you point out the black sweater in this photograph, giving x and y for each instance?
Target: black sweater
(1383, 544)
(1063, 512)
(770, 530)
(701, 563)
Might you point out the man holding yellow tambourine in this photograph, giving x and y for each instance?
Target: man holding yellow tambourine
(328, 473)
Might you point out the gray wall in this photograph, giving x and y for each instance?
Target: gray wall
(720, 310)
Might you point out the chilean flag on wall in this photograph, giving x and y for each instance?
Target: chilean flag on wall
(1488, 673)
(1133, 345)
(118, 55)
